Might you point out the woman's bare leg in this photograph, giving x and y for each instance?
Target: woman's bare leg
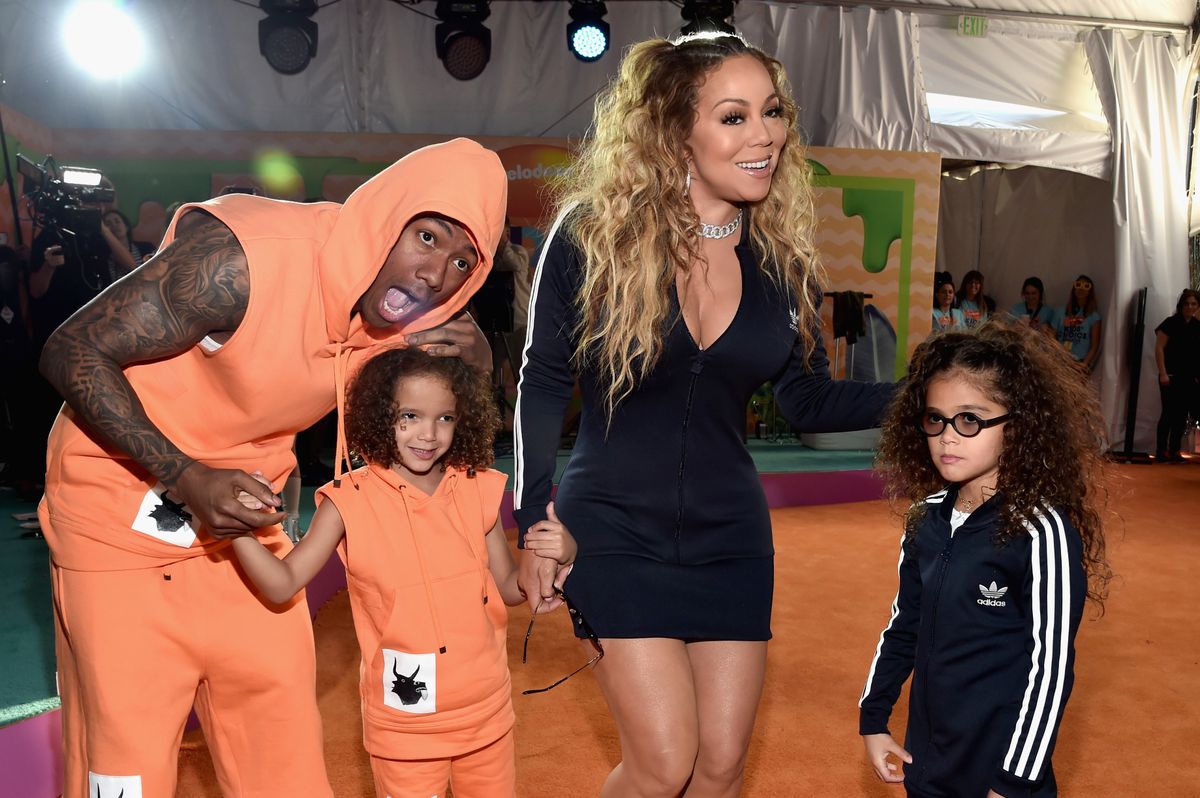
(647, 683)
(728, 678)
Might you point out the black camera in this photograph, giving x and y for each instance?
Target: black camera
(64, 199)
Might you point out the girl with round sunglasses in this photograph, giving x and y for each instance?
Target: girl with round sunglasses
(1079, 323)
(993, 441)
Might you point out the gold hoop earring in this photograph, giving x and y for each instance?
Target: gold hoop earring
(687, 184)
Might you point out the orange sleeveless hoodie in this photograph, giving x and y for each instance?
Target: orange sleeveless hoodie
(430, 621)
(285, 366)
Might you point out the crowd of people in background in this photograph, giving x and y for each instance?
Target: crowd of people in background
(1075, 324)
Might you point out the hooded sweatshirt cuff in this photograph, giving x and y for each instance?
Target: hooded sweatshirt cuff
(527, 517)
(872, 722)
(1010, 786)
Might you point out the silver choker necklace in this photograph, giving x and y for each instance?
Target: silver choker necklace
(715, 231)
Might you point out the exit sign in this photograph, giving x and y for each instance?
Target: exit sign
(972, 26)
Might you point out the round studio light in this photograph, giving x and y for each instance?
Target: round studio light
(103, 39)
(587, 32)
(287, 36)
(466, 55)
(286, 50)
(588, 42)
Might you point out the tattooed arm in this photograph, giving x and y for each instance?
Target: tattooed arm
(199, 285)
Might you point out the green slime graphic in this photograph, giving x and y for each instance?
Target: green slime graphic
(886, 206)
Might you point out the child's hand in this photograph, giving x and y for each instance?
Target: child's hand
(551, 539)
(878, 748)
(251, 503)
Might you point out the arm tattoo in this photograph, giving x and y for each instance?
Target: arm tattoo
(198, 285)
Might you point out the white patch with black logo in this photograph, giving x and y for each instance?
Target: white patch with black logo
(114, 786)
(410, 681)
(161, 516)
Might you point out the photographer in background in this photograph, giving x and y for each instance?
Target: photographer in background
(118, 235)
(74, 257)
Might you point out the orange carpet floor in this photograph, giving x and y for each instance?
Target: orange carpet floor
(1128, 729)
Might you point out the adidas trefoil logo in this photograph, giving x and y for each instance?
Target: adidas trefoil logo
(992, 596)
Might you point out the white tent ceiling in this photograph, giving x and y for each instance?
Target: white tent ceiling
(376, 71)
(1176, 13)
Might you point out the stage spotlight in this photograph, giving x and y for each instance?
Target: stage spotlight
(102, 38)
(707, 16)
(463, 44)
(587, 33)
(287, 38)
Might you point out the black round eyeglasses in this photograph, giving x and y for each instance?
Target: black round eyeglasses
(966, 424)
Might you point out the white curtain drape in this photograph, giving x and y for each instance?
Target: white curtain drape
(854, 72)
(1027, 222)
(1037, 68)
(1140, 80)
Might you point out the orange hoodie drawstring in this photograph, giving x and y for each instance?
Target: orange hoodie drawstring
(471, 543)
(433, 613)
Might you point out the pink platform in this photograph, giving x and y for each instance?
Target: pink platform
(30, 755)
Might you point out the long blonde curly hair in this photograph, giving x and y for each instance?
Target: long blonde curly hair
(637, 228)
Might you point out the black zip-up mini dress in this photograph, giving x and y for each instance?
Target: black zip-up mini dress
(666, 505)
(988, 634)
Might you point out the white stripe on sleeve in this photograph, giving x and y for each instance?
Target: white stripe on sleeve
(1064, 632)
(1048, 669)
(518, 449)
(1035, 657)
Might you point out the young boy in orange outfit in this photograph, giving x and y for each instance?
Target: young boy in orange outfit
(181, 380)
(429, 572)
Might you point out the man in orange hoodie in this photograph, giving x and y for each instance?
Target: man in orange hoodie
(181, 380)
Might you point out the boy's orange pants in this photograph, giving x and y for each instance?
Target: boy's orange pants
(137, 649)
(488, 772)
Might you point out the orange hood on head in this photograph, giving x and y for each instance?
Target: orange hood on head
(459, 180)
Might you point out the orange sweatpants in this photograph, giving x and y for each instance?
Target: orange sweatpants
(137, 649)
(488, 772)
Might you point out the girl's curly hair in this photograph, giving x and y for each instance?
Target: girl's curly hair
(371, 408)
(1052, 452)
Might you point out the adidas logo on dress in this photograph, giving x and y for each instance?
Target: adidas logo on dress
(992, 596)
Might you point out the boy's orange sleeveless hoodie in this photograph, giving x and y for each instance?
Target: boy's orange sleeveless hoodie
(430, 620)
(285, 366)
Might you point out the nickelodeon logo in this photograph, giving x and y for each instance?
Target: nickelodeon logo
(538, 172)
(529, 167)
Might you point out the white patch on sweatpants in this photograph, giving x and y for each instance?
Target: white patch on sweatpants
(114, 786)
(410, 681)
(163, 519)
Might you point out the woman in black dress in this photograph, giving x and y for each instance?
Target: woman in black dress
(679, 276)
(1177, 352)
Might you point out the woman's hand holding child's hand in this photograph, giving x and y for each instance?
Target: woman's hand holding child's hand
(878, 748)
(551, 539)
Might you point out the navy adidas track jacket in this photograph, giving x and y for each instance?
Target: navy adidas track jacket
(988, 635)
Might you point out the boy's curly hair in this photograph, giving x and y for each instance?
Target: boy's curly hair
(1053, 445)
(371, 408)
